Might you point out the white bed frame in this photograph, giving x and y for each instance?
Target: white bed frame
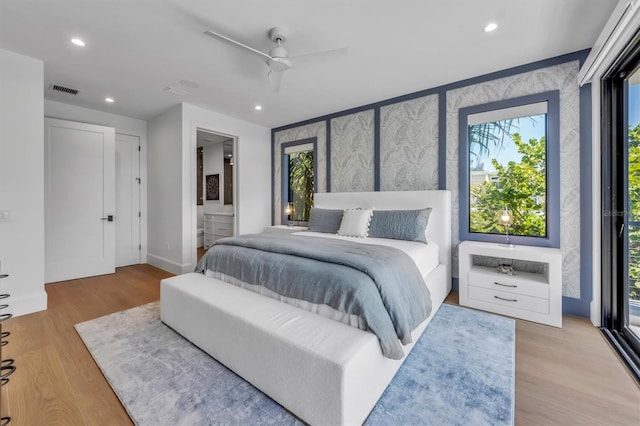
(323, 371)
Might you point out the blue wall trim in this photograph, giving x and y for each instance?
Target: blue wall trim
(442, 140)
(582, 306)
(553, 169)
(328, 142)
(273, 177)
(571, 306)
(284, 183)
(376, 149)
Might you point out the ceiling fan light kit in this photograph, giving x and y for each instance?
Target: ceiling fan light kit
(277, 59)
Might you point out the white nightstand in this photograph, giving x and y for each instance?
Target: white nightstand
(534, 296)
(284, 229)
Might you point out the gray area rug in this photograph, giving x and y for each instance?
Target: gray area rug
(461, 372)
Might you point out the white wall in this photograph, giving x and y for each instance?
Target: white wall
(164, 191)
(122, 124)
(172, 181)
(252, 173)
(22, 182)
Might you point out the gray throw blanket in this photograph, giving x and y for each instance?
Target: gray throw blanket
(380, 284)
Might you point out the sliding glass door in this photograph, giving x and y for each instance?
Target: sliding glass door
(632, 192)
(621, 205)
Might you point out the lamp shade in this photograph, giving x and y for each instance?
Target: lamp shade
(505, 217)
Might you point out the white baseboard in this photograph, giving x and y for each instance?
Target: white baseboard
(169, 265)
(26, 304)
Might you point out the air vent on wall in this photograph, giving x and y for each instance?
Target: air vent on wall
(59, 88)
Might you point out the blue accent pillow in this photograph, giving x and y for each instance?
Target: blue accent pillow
(409, 225)
(324, 220)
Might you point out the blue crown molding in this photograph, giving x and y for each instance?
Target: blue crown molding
(580, 56)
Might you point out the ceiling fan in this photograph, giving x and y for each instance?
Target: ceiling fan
(278, 58)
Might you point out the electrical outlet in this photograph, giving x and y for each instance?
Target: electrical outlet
(5, 215)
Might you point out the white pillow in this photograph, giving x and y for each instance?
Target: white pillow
(355, 223)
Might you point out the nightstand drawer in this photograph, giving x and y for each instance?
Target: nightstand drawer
(509, 300)
(521, 283)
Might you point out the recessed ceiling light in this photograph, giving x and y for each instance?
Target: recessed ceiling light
(109, 100)
(258, 107)
(491, 27)
(77, 42)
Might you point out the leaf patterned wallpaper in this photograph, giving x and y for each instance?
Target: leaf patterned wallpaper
(409, 145)
(409, 149)
(352, 153)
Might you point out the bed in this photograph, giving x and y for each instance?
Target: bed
(322, 370)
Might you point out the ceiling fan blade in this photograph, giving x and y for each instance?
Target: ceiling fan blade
(319, 56)
(237, 43)
(275, 78)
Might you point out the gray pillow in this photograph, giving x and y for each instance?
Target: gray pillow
(324, 220)
(407, 225)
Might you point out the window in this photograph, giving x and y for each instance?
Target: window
(299, 164)
(509, 158)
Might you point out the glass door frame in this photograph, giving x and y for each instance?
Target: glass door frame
(615, 221)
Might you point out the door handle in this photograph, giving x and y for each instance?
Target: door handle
(108, 218)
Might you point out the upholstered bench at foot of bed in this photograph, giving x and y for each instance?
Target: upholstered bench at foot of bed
(323, 371)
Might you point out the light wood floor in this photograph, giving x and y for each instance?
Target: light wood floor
(565, 376)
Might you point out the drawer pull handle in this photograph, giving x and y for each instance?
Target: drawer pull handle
(506, 300)
(505, 285)
(4, 276)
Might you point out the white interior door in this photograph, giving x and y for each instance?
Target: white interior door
(127, 200)
(79, 198)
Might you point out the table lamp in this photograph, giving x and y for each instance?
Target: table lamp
(505, 218)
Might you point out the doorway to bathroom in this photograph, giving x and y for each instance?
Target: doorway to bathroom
(215, 188)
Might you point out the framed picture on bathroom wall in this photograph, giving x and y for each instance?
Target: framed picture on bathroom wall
(213, 187)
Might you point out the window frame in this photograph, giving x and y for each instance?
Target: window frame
(284, 175)
(552, 239)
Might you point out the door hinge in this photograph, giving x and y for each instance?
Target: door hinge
(139, 148)
(139, 214)
(139, 180)
(139, 246)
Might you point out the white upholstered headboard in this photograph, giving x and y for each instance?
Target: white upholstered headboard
(438, 229)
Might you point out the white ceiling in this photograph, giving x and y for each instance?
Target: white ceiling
(136, 48)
